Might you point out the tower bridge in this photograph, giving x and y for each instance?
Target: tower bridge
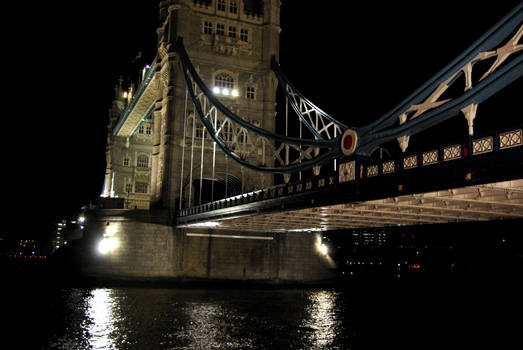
(477, 180)
(193, 151)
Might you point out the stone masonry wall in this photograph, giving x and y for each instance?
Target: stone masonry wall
(143, 248)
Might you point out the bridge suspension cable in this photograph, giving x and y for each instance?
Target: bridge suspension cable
(497, 56)
(487, 67)
(242, 141)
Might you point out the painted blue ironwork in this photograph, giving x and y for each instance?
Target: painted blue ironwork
(328, 149)
(420, 111)
(384, 128)
(505, 145)
(304, 108)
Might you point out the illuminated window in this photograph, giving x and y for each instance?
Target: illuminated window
(224, 80)
(224, 85)
(233, 7)
(250, 93)
(244, 35)
(207, 27)
(220, 29)
(140, 187)
(232, 32)
(142, 161)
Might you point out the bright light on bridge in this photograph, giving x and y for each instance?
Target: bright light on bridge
(322, 248)
(205, 224)
(109, 242)
(225, 91)
(107, 245)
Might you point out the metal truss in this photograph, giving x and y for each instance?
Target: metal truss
(490, 64)
(252, 147)
(319, 123)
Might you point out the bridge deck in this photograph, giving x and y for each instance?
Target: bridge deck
(502, 200)
(480, 179)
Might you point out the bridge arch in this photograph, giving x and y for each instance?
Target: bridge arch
(212, 186)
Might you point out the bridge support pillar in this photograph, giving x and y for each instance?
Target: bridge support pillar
(141, 246)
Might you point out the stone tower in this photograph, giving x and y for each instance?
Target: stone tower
(128, 169)
(158, 151)
(153, 160)
(230, 42)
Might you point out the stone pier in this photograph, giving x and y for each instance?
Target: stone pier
(138, 245)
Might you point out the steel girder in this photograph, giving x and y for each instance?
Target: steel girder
(499, 48)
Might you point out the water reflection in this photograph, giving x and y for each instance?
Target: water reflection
(199, 319)
(102, 324)
(203, 327)
(322, 318)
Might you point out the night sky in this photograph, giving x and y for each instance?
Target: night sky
(62, 62)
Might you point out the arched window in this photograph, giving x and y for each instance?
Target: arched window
(224, 85)
(233, 6)
(142, 161)
(224, 80)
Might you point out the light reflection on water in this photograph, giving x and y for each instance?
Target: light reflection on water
(134, 318)
(101, 315)
(202, 328)
(323, 319)
(356, 318)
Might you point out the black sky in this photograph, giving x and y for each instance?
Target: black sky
(63, 59)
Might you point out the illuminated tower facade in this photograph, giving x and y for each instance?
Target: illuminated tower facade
(128, 159)
(158, 152)
(230, 42)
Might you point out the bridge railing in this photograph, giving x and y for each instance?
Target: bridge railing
(468, 148)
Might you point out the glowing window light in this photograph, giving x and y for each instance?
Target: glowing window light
(217, 90)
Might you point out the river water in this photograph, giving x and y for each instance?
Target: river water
(377, 315)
